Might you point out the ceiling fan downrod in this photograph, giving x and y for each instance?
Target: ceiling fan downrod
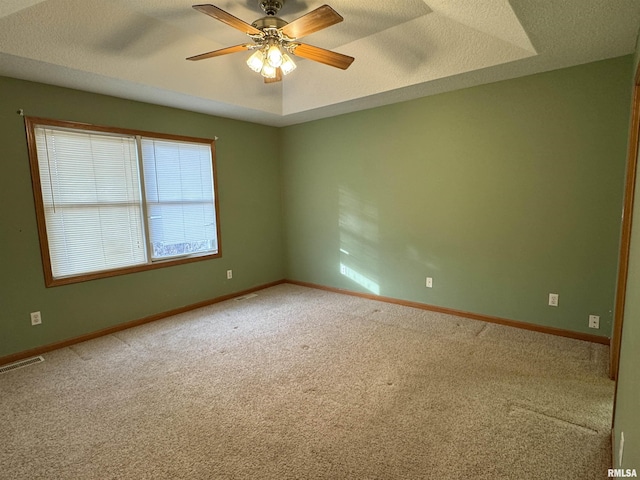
(271, 7)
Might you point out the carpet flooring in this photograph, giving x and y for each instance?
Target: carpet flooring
(297, 383)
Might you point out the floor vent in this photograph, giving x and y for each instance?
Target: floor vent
(246, 297)
(20, 364)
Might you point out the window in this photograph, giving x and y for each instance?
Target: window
(111, 201)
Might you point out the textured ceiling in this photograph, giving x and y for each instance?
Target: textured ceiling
(137, 48)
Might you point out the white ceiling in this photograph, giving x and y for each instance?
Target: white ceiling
(406, 49)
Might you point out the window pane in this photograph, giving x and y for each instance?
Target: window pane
(180, 201)
(92, 201)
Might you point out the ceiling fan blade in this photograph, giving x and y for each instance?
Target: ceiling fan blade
(315, 20)
(222, 51)
(278, 77)
(321, 55)
(227, 18)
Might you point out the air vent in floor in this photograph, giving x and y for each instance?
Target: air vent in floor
(247, 296)
(20, 364)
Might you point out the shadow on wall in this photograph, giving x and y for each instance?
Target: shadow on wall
(359, 240)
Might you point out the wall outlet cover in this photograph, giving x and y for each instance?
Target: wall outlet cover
(36, 318)
(621, 449)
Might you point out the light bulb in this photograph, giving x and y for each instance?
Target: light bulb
(256, 61)
(287, 65)
(274, 56)
(268, 71)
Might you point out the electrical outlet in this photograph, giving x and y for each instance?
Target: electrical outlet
(36, 318)
(594, 321)
(429, 282)
(553, 299)
(229, 274)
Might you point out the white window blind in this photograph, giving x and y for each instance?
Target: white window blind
(180, 198)
(92, 200)
(114, 200)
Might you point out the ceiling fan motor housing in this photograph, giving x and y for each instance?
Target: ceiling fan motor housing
(269, 23)
(271, 7)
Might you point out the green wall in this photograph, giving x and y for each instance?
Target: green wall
(502, 193)
(627, 417)
(250, 217)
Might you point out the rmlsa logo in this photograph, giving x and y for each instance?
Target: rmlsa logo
(622, 473)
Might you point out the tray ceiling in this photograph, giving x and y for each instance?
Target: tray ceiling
(136, 49)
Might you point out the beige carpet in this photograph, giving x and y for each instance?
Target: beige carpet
(302, 383)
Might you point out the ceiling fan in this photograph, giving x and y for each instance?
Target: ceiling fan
(274, 39)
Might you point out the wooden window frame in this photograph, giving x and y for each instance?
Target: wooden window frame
(50, 280)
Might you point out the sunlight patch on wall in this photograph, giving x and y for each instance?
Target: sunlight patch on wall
(359, 237)
(360, 279)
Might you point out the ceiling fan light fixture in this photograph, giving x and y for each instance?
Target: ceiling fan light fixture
(274, 56)
(268, 71)
(256, 61)
(288, 65)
